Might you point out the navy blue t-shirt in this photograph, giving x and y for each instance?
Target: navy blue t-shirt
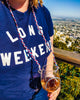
(17, 68)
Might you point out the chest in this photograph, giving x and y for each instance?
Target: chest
(12, 51)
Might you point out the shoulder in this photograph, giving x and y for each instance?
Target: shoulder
(47, 16)
(44, 10)
(1, 8)
(3, 14)
(1, 4)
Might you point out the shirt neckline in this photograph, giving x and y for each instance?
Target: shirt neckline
(19, 12)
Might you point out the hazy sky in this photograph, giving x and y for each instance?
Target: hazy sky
(68, 8)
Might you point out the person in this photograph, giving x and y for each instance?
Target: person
(23, 49)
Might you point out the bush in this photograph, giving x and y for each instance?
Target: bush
(70, 81)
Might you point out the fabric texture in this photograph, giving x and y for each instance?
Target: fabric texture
(42, 95)
(18, 71)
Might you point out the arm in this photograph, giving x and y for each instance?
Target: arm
(49, 22)
(50, 57)
(53, 95)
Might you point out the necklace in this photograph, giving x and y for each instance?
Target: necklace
(22, 41)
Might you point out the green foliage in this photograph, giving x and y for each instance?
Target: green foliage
(70, 81)
(60, 45)
(67, 40)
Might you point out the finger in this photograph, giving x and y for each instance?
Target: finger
(52, 99)
(49, 94)
(55, 92)
(54, 95)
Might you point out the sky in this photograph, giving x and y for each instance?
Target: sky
(63, 8)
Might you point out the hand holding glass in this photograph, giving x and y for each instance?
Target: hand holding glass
(50, 79)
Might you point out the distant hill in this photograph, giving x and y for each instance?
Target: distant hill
(65, 19)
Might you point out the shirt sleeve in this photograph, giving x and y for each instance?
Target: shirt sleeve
(48, 21)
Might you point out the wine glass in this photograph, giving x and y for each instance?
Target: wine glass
(50, 79)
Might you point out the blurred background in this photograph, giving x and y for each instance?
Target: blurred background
(66, 19)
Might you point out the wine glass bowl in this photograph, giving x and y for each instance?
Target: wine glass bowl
(50, 79)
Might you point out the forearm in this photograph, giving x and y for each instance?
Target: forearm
(50, 57)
